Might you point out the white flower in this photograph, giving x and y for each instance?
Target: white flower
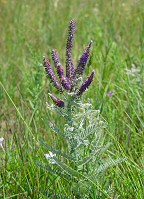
(50, 156)
(1, 140)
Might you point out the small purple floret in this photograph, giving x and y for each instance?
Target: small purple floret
(57, 101)
(83, 61)
(65, 83)
(110, 94)
(85, 84)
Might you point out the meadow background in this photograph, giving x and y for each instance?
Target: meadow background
(31, 29)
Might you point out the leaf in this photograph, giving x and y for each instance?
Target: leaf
(108, 163)
(55, 129)
(88, 159)
(56, 151)
(78, 175)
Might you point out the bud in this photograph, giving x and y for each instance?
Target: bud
(57, 101)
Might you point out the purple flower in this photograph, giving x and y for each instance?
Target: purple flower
(57, 101)
(65, 83)
(69, 62)
(85, 84)
(110, 94)
(51, 74)
(83, 60)
(55, 57)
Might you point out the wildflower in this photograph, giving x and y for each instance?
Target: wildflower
(85, 84)
(69, 45)
(110, 94)
(1, 140)
(83, 60)
(57, 101)
(55, 57)
(50, 156)
(51, 74)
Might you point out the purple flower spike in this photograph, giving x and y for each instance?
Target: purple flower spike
(51, 74)
(57, 101)
(69, 45)
(55, 57)
(65, 83)
(83, 60)
(85, 84)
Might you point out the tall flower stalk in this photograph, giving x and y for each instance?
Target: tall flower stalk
(83, 127)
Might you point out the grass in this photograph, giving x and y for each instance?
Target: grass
(31, 29)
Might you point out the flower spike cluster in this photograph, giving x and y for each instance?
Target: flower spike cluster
(69, 81)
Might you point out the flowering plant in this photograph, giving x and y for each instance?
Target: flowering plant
(83, 128)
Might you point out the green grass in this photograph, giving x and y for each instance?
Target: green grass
(31, 29)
